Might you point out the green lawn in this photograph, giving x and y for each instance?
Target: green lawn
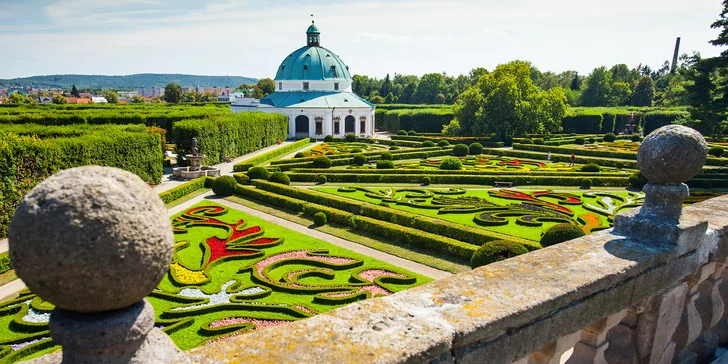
(555, 204)
(277, 276)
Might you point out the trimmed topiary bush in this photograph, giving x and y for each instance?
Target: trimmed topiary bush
(539, 141)
(329, 138)
(579, 141)
(241, 178)
(475, 149)
(637, 180)
(351, 137)
(592, 140)
(402, 132)
(443, 143)
(610, 137)
(386, 156)
(356, 150)
(586, 183)
(560, 233)
(322, 162)
(591, 167)
(360, 159)
(460, 150)
(224, 186)
(427, 144)
(412, 133)
(635, 138)
(320, 219)
(496, 250)
(385, 164)
(451, 164)
(280, 178)
(299, 155)
(715, 151)
(258, 173)
(321, 179)
(426, 181)
(526, 141)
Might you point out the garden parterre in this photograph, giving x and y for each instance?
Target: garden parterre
(231, 273)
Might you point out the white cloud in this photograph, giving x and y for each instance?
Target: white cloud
(385, 37)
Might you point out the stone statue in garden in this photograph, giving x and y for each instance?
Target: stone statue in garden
(194, 151)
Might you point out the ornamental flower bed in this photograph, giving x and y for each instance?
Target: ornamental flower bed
(231, 274)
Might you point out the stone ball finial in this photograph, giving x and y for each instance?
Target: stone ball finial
(672, 154)
(91, 239)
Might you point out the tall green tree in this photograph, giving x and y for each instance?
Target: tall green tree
(173, 93)
(386, 87)
(74, 91)
(60, 100)
(430, 85)
(408, 93)
(111, 97)
(644, 92)
(267, 86)
(508, 103)
(598, 90)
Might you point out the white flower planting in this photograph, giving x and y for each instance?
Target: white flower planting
(218, 298)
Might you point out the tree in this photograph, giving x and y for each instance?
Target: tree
(620, 73)
(390, 99)
(706, 111)
(376, 99)
(17, 98)
(621, 94)
(644, 92)
(58, 99)
(430, 85)
(137, 99)
(475, 75)
(575, 82)
(111, 97)
(173, 93)
(507, 102)
(408, 93)
(74, 92)
(440, 98)
(598, 90)
(386, 87)
(266, 86)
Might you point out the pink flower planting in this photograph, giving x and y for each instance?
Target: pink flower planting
(305, 309)
(259, 324)
(372, 274)
(299, 254)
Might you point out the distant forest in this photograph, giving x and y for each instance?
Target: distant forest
(129, 81)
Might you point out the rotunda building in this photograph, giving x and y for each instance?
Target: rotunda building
(314, 89)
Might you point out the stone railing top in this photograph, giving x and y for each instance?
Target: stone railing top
(540, 296)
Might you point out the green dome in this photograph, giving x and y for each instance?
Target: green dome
(313, 62)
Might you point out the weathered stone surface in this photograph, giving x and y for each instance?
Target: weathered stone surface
(91, 239)
(157, 348)
(106, 334)
(672, 154)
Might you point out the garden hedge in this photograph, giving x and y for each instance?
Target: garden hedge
(429, 120)
(232, 135)
(585, 122)
(518, 180)
(657, 119)
(486, 142)
(185, 189)
(624, 163)
(26, 160)
(249, 163)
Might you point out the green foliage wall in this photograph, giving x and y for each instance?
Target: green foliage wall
(419, 119)
(27, 160)
(586, 122)
(656, 119)
(231, 135)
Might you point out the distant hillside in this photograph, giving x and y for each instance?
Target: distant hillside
(129, 81)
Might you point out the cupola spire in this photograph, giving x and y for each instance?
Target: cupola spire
(313, 36)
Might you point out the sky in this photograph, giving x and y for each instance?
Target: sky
(374, 37)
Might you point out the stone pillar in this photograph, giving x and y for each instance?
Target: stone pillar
(710, 307)
(721, 329)
(668, 157)
(552, 353)
(594, 341)
(94, 241)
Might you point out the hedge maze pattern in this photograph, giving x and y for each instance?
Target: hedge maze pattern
(335, 148)
(227, 278)
(592, 211)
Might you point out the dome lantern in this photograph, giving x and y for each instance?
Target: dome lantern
(313, 36)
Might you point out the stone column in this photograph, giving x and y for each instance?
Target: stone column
(710, 307)
(594, 341)
(94, 241)
(668, 157)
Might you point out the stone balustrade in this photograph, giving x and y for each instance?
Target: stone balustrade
(650, 290)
